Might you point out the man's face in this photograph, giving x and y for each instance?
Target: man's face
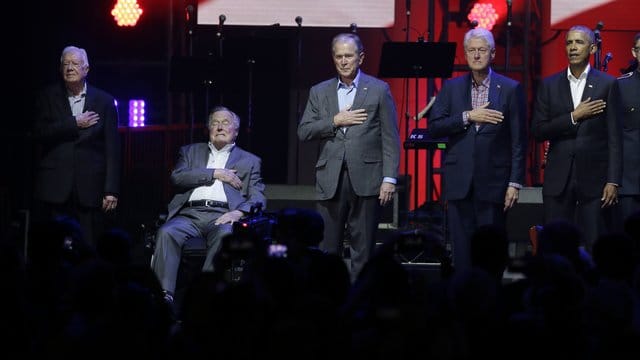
(635, 51)
(73, 68)
(222, 129)
(578, 47)
(346, 59)
(478, 54)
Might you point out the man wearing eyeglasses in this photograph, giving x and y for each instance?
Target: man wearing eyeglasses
(483, 115)
(575, 110)
(629, 192)
(218, 183)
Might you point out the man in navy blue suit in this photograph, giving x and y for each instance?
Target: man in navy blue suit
(629, 194)
(483, 115)
(575, 111)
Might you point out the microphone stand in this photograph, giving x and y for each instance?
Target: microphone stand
(507, 51)
(190, 19)
(407, 116)
(597, 63)
(250, 62)
(298, 20)
(220, 36)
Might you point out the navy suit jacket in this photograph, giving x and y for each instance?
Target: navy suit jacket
(87, 159)
(488, 158)
(191, 172)
(371, 150)
(594, 145)
(630, 111)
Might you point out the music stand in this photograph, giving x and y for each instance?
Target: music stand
(416, 60)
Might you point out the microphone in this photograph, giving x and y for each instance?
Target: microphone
(299, 20)
(605, 63)
(408, 6)
(221, 20)
(354, 27)
(473, 24)
(509, 15)
(189, 13)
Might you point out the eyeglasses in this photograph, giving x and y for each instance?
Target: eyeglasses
(224, 123)
(636, 48)
(481, 51)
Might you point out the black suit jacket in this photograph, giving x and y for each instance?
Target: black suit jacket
(594, 145)
(630, 111)
(85, 159)
(490, 157)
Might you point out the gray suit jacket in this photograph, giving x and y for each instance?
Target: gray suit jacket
(371, 150)
(191, 172)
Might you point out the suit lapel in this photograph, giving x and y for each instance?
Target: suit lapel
(495, 89)
(361, 92)
(591, 85)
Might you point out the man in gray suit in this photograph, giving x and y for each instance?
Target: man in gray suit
(353, 116)
(217, 184)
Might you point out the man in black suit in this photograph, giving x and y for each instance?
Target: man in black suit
(575, 111)
(483, 115)
(217, 183)
(76, 128)
(629, 194)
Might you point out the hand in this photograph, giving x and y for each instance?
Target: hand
(229, 176)
(588, 108)
(348, 117)
(87, 119)
(109, 202)
(510, 198)
(386, 192)
(609, 195)
(229, 217)
(483, 115)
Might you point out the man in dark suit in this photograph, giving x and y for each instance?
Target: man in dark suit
(575, 111)
(483, 115)
(353, 116)
(217, 184)
(629, 192)
(76, 128)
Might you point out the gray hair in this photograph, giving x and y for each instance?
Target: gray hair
(583, 29)
(73, 49)
(481, 33)
(348, 36)
(234, 117)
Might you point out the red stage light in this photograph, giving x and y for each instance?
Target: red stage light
(126, 12)
(484, 14)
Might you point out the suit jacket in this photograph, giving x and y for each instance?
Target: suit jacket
(490, 157)
(191, 172)
(629, 86)
(594, 145)
(371, 150)
(87, 159)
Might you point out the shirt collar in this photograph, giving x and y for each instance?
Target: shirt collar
(354, 83)
(582, 76)
(486, 82)
(227, 148)
(82, 94)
